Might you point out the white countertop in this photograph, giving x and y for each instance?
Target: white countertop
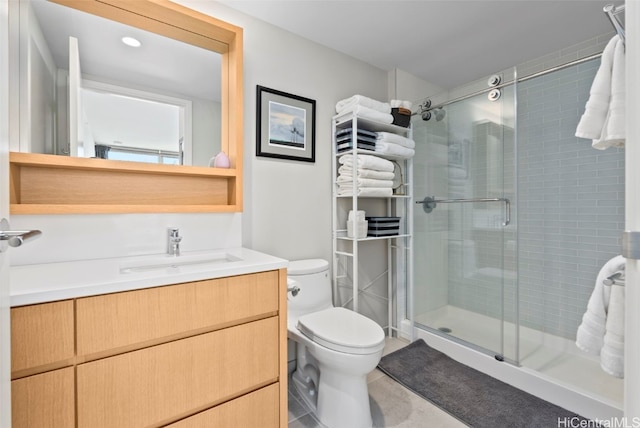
(49, 282)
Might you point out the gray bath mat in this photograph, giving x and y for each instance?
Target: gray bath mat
(471, 396)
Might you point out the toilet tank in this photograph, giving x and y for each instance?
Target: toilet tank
(312, 277)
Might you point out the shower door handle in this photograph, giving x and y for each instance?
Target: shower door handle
(429, 203)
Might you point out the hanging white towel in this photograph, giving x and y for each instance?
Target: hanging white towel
(602, 318)
(603, 118)
(613, 132)
(612, 352)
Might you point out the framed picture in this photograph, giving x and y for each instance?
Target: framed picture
(286, 126)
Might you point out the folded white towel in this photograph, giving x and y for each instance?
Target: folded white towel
(591, 332)
(347, 171)
(401, 104)
(394, 150)
(348, 103)
(395, 138)
(612, 352)
(363, 182)
(368, 162)
(596, 123)
(366, 191)
(369, 113)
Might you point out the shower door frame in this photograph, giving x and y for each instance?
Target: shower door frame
(632, 212)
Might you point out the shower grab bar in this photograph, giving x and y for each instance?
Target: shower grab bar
(429, 203)
(615, 279)
(612, 11)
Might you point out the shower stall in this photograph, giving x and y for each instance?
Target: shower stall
(514, 217)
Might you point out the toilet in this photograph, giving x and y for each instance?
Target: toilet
(336, 348)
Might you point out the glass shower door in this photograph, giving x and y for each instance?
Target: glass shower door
(465, 246)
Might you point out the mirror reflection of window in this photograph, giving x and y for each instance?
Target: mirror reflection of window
(162, 66)
(137, 122)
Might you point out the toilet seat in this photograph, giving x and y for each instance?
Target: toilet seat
(342, 330)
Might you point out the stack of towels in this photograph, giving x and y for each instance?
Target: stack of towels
(602, 329)
(373, 176)
(395, 145)
(365, 107)
(603, 120)
(401, 104)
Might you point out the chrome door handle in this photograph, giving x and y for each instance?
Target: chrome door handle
(15, 238)
(429, 203)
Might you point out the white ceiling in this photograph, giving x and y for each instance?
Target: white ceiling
(445, 42)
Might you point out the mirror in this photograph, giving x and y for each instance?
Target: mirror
(162, 102)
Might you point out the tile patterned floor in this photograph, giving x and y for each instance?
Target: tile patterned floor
(392, 405)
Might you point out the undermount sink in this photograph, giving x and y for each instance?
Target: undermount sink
(178, 262)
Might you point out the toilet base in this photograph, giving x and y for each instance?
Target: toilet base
(338, 401)
(343, 400)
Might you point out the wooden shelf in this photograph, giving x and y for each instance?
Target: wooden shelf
(49, 184)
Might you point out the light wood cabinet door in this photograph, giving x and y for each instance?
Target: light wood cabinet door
(165, 383)
(41, 336)
(257, 409)
(129, 320)
(44, 400)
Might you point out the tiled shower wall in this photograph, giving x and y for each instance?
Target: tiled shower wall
(570, 203)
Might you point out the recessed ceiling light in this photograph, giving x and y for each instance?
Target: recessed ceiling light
(130, 41)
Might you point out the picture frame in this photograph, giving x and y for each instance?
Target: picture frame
(285, 125)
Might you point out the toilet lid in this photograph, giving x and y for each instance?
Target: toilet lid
(342, 330)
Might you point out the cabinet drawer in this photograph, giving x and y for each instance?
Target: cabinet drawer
(257, 409)
(126, 319)
(44, 400)
(163, 383)
(41, 335)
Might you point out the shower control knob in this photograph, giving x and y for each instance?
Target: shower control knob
(494, 80)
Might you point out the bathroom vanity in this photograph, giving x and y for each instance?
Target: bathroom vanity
(192, 341)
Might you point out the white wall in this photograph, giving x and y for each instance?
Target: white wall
(288, 203)
(405, 86)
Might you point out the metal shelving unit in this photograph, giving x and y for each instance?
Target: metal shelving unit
(399, 248)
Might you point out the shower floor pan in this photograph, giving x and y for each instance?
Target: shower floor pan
(551, 357)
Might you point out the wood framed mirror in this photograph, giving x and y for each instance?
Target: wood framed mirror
(50, 184)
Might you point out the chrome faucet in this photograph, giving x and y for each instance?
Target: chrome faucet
(173, 242)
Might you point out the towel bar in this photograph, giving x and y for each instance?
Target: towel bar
(612, 11)
(615, 279)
